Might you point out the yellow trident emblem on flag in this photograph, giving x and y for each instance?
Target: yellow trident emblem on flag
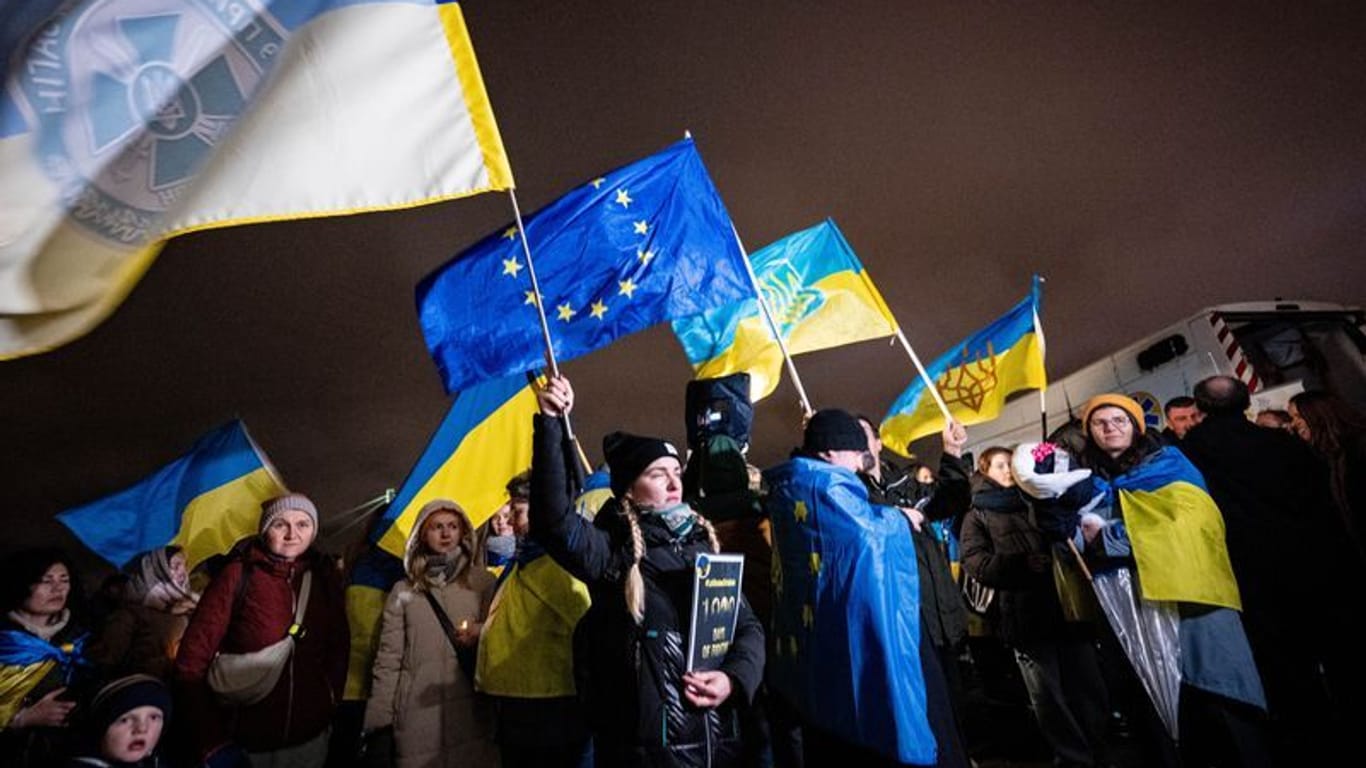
(970, 382)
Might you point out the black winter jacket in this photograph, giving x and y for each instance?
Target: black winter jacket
(629, 676)
(941, 600)
(1003, 549)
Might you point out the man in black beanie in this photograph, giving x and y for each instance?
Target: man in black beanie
(846, 611)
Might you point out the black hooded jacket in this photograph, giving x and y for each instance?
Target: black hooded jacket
(941, 601)
(629, 676)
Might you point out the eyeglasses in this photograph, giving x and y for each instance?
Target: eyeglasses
(1117, 423)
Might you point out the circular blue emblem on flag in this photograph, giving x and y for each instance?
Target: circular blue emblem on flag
(128, 99)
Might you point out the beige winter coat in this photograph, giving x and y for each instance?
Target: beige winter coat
(418, 686)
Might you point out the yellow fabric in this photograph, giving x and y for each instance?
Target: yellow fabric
(1177, 534)
(212, 522)
(477, 471)
(852, 311)
(15, 684)
(974, 392)
(364, 609)
(476, 98)
(526, 647)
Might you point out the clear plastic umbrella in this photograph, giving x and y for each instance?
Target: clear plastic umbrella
(1147, 631)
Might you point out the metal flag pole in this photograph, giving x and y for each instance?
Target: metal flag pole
(360, 513)
(924, 376)
(1043, 358)
(773, 326)
(540, 308)
(535, 286)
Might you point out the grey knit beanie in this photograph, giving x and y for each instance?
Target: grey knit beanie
(278, 505)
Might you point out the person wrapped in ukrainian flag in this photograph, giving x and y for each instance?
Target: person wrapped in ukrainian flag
(42, 656)
(1141, 519)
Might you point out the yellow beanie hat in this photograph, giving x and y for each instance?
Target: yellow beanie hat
(1122, 402)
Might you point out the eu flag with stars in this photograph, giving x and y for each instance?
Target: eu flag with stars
(640, 245)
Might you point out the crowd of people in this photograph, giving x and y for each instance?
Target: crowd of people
(1227, 549)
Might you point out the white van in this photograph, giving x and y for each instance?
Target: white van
(1278, 347)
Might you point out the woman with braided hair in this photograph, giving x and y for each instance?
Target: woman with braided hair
(646, 707)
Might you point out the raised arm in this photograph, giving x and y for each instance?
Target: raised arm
(572, 541)
(953, 492)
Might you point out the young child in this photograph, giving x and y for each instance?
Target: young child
(124, 724)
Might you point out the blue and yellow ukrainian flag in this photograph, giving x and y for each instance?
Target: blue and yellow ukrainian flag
(820, 297)
(374, 574)
(128, 122)
(484, 440)
(645, 243)
(204, 501)
(1177, 532)
(974, 377)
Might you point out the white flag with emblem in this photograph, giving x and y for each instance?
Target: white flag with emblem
(126, 122)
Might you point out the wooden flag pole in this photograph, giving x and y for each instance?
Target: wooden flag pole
(773, 326)
(1072, 545)
(924, 376)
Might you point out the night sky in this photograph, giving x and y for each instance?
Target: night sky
(1149, 161)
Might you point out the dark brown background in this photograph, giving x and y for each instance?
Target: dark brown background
(1148, 160)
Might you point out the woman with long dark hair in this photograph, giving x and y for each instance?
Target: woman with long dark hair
(1337, 431)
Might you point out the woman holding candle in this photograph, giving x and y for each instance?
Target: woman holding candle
(424, 668)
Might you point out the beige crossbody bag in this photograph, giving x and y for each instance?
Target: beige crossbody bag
(246, 678)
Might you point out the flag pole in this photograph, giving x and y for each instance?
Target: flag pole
(540, 308)
(535, 286)
(773, 326)
(924, 375)
(1043, 358)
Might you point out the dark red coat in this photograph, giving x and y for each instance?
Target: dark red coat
(301, 705)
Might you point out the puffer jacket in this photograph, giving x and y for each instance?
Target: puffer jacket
(629, 676)
(999, 539)
(300, 707)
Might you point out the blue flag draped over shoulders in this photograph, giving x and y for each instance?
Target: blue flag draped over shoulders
(637, 246)
(21, 649)
(845, 639)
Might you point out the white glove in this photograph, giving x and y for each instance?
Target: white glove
(1043, 486)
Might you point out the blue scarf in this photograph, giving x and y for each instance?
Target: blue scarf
(21, 649)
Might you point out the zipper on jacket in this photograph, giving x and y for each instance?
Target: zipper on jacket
(293, 608)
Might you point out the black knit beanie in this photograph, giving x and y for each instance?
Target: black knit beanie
(629, 455)
(831, 429)
(124, 694)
